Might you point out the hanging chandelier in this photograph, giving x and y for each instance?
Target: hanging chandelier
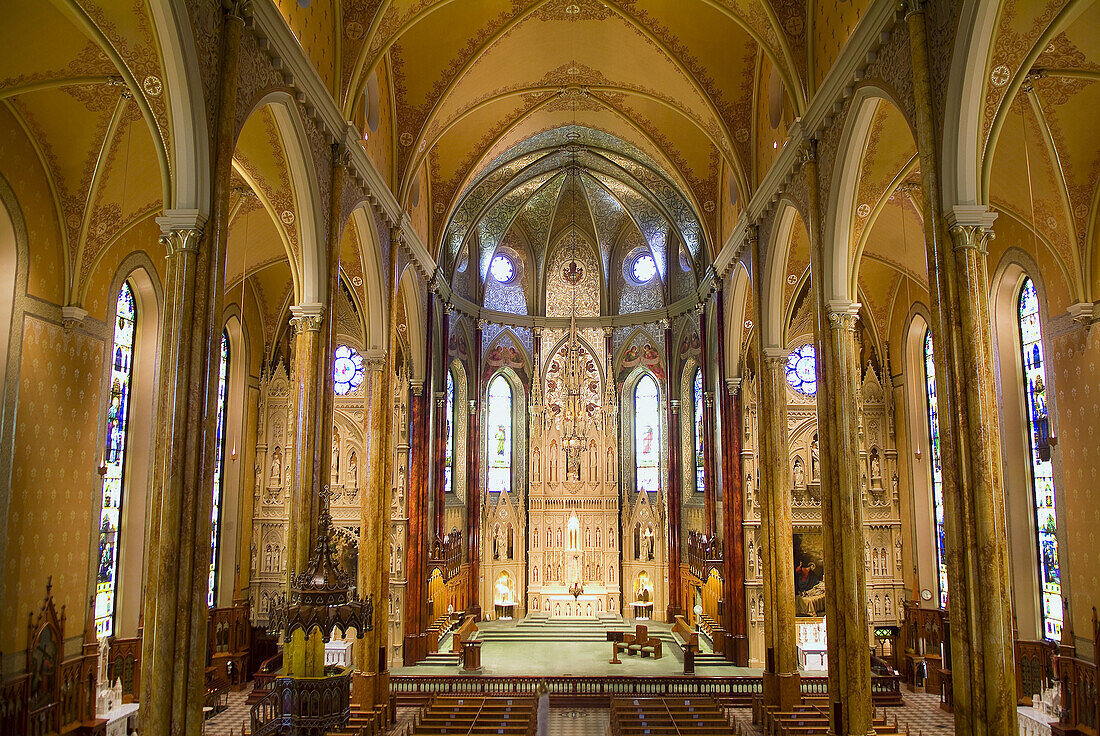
(575, 441)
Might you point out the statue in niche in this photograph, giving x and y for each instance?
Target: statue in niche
(536, 465)
(876, 469)
(867, 555)
(353, 471)
(572, 466)
(886, 607)
(259, 477)
(610, 465)
(553, 466)
(799, 474)
(500, 543)
(752, 559)
(335, 456)
(894, 484)
(897, 554)
(277, 467)
(814, 459)
(647, 544)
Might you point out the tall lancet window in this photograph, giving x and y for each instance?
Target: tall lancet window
(449, 437)
(499, 436)
(647, 436)
(114, 461)
(1042, 474)
(697, 394)
(219, 470)
(937, 468)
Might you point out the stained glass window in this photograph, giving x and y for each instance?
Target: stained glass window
(114, 459)
(502, 268)
(1042, 475)
(647, 436)
(347, 370)
(449, 442)
(219, 470)
(499, 436)
(697, 398)
(937, 468)
(802, 370)
(644, 268)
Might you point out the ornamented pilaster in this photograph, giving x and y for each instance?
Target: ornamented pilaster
(675, 592)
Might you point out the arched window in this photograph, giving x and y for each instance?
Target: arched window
(219, 470)
(114, 461)
(347, 370)
(449, 438)
(697, 398)
(937, 468)
(647, 436)
(499, 436)
(1042, 475)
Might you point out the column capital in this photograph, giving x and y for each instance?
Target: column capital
(181, 230)
(674, 405)
(843, 313)
(72, 316)
(774, 355)
(971, 226)
(733, 385)
(374, 361)
(440, 398)
(417, 387)
(307, 317)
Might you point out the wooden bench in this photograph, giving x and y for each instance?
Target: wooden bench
(698, 716)
(476, 716)
(463, 633)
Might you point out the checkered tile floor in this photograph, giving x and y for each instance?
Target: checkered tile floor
(921, 713)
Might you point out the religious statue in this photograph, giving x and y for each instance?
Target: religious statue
(353, 471)
(501, 543)
(335, 457)
(814, 459)
(799, 474)
(647, 545)
(876, 470)
(276, 467)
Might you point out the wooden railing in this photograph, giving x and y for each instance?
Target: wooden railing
(264, 677)
(1079, 678)
(885, 689)
(703, 553)
(1034, 668)
(446, 554)
(124, 665)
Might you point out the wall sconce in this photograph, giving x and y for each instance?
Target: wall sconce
(233, 454)
(917, 453)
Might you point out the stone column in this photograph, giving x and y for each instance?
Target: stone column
(473, 480)
(975, 529)
(675, 480)
(415, 590)
(781, 680)
(839, 404)
(710, 505)
(733, 515)
(304, 657)
(371, 677)
(440, 527)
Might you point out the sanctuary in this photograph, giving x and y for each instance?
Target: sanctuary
(423, 366)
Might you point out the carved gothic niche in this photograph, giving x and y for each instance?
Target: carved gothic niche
(46, 641)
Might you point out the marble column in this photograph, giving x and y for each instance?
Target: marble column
(975, 528)
(416, 560)
(473, 480)
(781, 679)
(839, 403)
(178, 557)
(374, 534)
(710, 505)
(675, 481)
(304, 657)
(443, 360)
(733, 514)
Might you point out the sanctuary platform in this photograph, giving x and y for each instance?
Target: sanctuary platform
(541, 645)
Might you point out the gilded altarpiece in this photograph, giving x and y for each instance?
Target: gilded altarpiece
(574, 532)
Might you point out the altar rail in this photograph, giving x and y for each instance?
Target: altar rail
(737, 691)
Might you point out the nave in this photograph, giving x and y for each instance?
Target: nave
(357, 353)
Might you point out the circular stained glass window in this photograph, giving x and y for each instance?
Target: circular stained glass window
(802, 370)
(502, 268)
(347, 370)
(644, 268)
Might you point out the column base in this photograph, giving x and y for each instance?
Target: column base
(782, 690)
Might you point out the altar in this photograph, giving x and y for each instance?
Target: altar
(813, 652)
(564, 605)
